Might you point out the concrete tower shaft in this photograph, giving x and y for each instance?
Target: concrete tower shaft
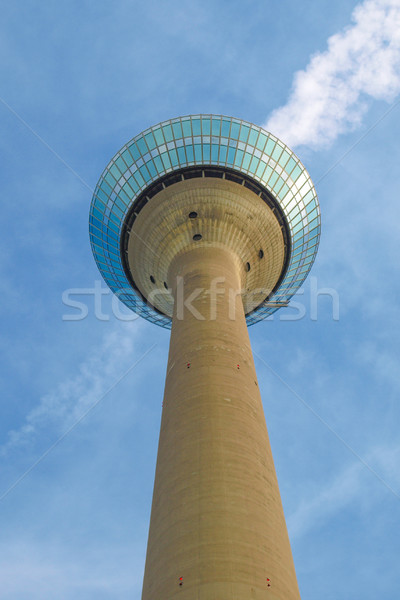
(208, 224)
(217, 520)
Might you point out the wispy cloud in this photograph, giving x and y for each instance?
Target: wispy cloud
(45, 569)
(64, 405)
(352, 486)
(330, 96)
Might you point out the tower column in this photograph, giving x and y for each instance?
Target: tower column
(217, 520)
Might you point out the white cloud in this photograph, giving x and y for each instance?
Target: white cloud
(330, 96)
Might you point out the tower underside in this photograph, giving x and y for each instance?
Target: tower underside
(211, 213)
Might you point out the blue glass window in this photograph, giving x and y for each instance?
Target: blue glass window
(206, 126)
(226, 125)
(196, 127)
(216, 126)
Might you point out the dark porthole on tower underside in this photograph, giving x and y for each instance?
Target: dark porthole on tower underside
(193, 215)
(248, 267)
(197, 237)
(261, 254)
(165, 285)
(152, 279)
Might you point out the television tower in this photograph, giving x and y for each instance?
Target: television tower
(206, 224)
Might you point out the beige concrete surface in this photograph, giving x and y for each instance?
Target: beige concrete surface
(217, 518)
(229, 216)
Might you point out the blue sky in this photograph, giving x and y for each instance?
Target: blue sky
(77, 81)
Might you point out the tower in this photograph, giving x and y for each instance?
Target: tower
(207, 224)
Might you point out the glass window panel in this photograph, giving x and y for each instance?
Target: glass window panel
(105, 187)
(278, 184)
(295, 219)
(226, 125)
(126, 155)
(272, 179)
(110, 179)
(312, 214)
(152, 169)
(99, 205)
(284, 158)
(314, 223)
(235, 131)
(126, 197)
(311, 205)
(206, 126)
(167, 129)
(291, 164)
(298, 237)
(297, 228)
(296, 172)
(98, 252)
(308, 197)
(239, 158)
(254, 164)
(158, 164)
(197, 153)
(269, 147)
(144, 172)
(262, 138)
(244, 133)
(93, 231)
(277, 152)
(190, 153)
(134, 151)
(139, 178)
(133, 184)
(187, 129)
(140, 143)
(253, 137)
(177, 129)
(214, 152)
(182, 155)
(206, 152)
(100, 193)
(231, 156)
(120, 165)
(116, 213)
(173, 157)
(112, 236)
(196, 126)
(158, 136)
(165, 159)
(96, 221)
(150, 141)
(246, 161)
(120, 204)
(216, 126)
(115, 218)
(261, 168)
(223, 150)
(282, 193)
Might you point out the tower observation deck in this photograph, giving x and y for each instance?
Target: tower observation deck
(207, 224)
